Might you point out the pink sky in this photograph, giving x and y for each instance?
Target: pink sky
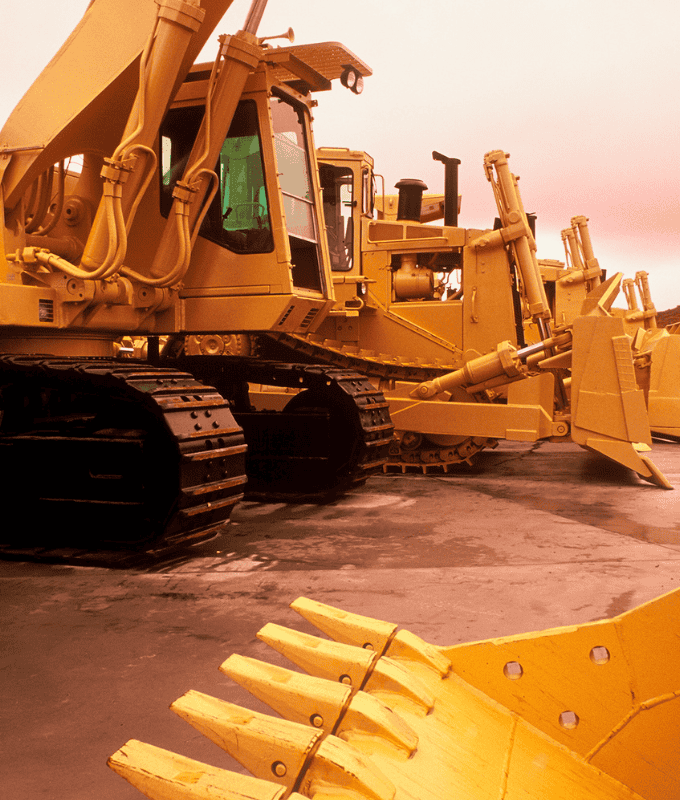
(583, 94)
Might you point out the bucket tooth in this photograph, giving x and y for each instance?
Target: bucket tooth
(268, 747)
(393, 683)
(162, 775)
(333, 660)
(406, 646)
(369, 718)
(301, 698)
(588, 710)
(343, 626)
(319, 702)
(338, 770)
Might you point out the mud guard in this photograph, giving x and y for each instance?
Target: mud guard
(609, 414)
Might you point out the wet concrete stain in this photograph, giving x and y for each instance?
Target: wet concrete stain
(620, 604)
(397, 520)
(183, 596)
(601, 514)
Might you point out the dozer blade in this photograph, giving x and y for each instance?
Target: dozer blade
(609, 414)
(589, 711)
(664, 385)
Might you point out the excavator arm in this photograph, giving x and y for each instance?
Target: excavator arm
(104, 51)
(164, 39)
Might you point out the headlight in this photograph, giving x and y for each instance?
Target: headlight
(352, 80)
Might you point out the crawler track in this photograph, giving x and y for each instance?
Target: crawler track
(103, 451)
(330, 437)
(415, 453)
(371, 364)
(410, 451)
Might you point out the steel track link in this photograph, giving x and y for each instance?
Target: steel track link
(329, 439)
(414, 453)
(371, 367)
(117, 452)
(420, 455)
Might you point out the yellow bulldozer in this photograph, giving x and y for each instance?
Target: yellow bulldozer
(589, 711)
(567, 285)
(403, 317)
(656, 350)
(437, 315)
(141, 200)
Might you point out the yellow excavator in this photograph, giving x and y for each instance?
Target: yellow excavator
(151, 198)
(139, 198)
(437, 315)
(587, 711)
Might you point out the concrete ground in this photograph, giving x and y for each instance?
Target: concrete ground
(531, 537)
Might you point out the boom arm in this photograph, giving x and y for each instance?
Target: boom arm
(127, 173)
(111, 35)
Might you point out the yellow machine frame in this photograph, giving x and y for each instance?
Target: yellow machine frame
(395, 318)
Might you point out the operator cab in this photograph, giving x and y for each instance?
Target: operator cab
(268, 200)
(348, 188)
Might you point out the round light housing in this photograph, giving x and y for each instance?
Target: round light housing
(352, 80)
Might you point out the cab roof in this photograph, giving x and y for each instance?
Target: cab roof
(306, 67)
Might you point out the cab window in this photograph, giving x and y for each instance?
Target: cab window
(238, 217)
(292, 158)
(338, 202)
